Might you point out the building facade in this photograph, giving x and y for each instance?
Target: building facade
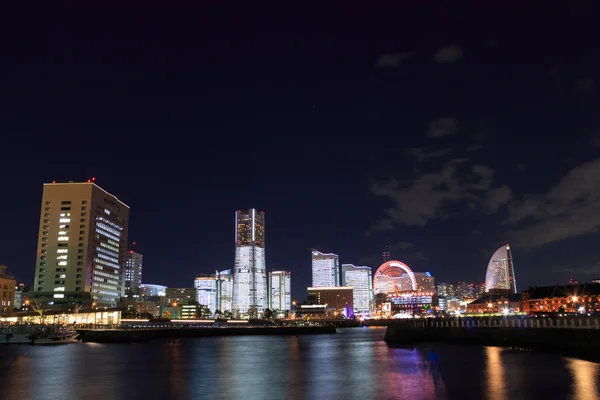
(496, 304)
(250, 276)
(82, 245)
(361, 282)
(338, 299)
(280, 290)
(179, 296)
(7, 290)
(425, 282)
(224, 291)
(500, 274)
(133, 271)
(149, 289)
(564, 299)
(325, 269)
(206, 287)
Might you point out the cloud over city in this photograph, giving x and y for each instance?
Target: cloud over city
(570, 208)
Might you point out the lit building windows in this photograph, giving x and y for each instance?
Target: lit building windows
(325, 269)
(60, 251)
(63, 238)
(62, 263)
(64, 220)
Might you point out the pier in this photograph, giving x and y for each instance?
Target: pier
(145, 333)
(574, 337)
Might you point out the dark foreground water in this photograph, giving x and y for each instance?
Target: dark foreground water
(353, 364)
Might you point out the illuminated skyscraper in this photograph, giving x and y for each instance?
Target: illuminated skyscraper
(325, 269)
(280, 296)
(82, 245)
(206, 291)
(224, 291)
(249, 276)
(500, 273)
(133, 271)
(361, 282)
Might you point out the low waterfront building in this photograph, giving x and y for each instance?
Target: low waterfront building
(581, 298)
(7, 290)
(411, 303)
(496, 304)
(336, 299)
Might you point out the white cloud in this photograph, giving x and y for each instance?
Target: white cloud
(448, 55)
(427, 195)
(442, 127)
(569, 209)
(496, 198)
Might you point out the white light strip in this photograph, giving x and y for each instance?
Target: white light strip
(253, 222)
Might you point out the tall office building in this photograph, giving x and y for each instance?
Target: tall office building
(82, 245)
(361, 282)
(206, 286)
(250, 275)
(224, 291)
(386, 255)
(133, 271)
(280, 290)
(325, 269)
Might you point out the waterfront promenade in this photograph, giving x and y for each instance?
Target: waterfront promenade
(567, 336)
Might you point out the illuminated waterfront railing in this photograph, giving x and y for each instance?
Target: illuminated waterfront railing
(541, 323)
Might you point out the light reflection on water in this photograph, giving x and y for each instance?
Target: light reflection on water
(353, 364)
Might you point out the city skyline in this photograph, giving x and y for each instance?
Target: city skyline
(246, 235)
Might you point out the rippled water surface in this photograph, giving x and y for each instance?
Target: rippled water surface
(353, 364)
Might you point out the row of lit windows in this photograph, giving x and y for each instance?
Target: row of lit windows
(112, 224)
(107, 263)
(104, 233)
(101, 249)
(108, 258)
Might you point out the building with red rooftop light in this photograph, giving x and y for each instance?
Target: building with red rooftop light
(82, 246)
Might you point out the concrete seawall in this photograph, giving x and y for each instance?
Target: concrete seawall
(579, 343)
(140, 335)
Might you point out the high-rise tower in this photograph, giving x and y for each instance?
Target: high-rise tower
(82, 245)
(133, 271)
(249, 276)
(325, 269)
(280, 298)
(386, 255)
(500, 274)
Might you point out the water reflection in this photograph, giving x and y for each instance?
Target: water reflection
(353, 364)
(585, 379)
(495, 374)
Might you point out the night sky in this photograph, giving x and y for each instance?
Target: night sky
(442, 136)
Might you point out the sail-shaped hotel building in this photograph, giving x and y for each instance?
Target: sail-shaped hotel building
(500, 273)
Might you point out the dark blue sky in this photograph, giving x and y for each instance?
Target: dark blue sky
(439, 134)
